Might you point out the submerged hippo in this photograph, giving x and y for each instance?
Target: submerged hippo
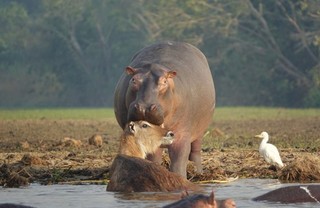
(169, 84)
(200, 200)
(293, 194)
(9, 205)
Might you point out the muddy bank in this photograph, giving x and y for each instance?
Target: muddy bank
(61, 151)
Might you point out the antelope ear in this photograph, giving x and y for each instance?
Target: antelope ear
(171, 74)
(131, 127)
(211, 199)
(130, 70)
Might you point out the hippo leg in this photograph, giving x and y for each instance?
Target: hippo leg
(195, 154)
(179, 152)
(156, 157)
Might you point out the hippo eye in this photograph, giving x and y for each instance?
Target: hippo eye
(135, 82)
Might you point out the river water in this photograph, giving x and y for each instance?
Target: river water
(71, 196)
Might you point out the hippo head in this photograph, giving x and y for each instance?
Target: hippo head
(150, 88)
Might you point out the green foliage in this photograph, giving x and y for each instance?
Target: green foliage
(313, 97)
(268, 61)
(71, 53)
(13, 20)
(18, 86)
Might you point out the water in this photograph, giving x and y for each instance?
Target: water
(65, 196)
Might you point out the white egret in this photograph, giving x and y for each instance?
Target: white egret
(268, 151)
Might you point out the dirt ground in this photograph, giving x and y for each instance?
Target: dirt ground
(58, 151)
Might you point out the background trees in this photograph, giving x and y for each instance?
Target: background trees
(71, 53)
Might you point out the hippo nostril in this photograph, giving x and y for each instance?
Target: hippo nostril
(153, 107)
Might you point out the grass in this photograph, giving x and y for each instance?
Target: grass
(57, 113)
(262, 113)
(221, 113)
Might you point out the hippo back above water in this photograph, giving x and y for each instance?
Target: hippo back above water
(169, 84)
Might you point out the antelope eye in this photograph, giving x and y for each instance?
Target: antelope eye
(144, 126)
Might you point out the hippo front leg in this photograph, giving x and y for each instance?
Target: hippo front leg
(195, 154)
(179, 153)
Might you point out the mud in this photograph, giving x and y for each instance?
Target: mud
(62, 151)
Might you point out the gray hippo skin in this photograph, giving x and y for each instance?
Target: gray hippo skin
(201, 201)
(9, 205)
(293, 194)
(169, 84)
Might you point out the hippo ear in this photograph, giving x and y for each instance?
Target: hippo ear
(130, 70)
(171, 74)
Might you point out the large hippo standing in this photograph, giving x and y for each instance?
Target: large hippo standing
(169, 84)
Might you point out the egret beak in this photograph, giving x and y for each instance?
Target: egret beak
(258, 136)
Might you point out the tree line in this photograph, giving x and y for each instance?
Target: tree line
(72, 52)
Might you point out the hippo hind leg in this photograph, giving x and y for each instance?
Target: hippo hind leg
(195, 154)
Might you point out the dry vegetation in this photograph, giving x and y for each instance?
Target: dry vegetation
(64, 151)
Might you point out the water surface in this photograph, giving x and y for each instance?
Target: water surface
(71, 196)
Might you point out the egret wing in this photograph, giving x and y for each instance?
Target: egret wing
(272, 154)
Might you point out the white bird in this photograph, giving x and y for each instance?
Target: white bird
(268, 151)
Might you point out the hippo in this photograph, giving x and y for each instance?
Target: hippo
(292, 194)
(169, 84)
(200, 200)
(9, 205)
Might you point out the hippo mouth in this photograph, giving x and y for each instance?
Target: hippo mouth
(153, 114)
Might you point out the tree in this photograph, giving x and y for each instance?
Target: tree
(71, 53)
(94, 37)
(269, 60)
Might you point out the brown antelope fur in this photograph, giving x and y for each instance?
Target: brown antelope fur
(141, 138)
(130, 172)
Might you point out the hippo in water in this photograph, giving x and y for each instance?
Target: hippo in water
(169, 84)
(293, 194)
(200, 200)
